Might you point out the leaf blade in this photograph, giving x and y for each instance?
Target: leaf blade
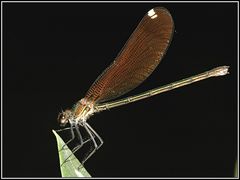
(72, 167)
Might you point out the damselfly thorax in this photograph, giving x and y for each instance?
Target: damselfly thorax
(83, 110)
(79, 113)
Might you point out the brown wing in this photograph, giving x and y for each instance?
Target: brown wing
(137, 60)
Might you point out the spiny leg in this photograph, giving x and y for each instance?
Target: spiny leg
(92, 135)
(95, 134)
(72, 138)
(86, 126)
(60, 130)
(77, 147)
(82, 142)
(73, 135)
(79, 134)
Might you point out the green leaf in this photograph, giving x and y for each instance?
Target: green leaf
(236, 169)
(71, 167)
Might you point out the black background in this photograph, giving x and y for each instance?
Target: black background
(54, 52)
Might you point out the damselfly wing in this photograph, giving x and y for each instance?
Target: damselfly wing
(138, 58)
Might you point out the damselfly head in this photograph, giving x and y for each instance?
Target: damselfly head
(64, 117)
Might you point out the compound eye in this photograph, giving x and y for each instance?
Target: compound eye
(61, 117)
(63, 120)
(64, 117)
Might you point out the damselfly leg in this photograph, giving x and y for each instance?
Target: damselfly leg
(92, 135)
